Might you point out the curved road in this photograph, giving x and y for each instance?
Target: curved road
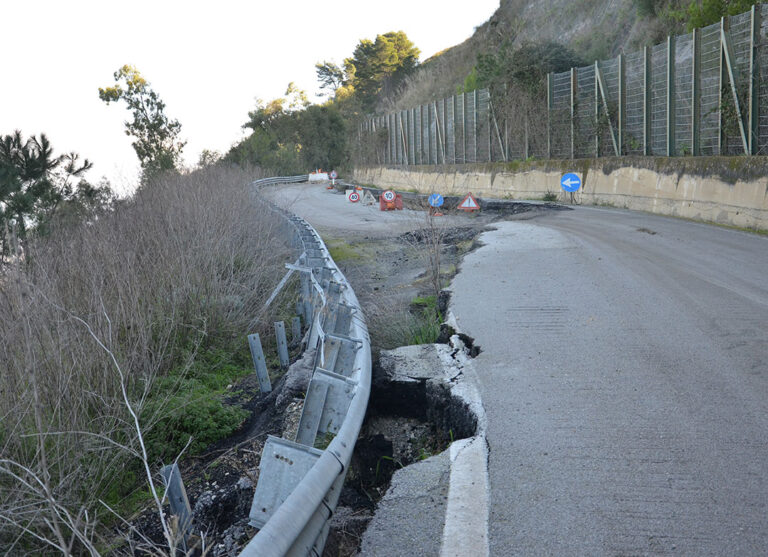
(625, 376)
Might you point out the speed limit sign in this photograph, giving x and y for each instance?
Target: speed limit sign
(354, 197)
(389, 196)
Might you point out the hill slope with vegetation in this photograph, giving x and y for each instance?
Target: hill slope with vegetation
(591, 29)
(510, 54)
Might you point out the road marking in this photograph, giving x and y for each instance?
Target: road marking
(465, 533)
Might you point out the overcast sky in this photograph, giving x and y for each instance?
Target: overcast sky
(208, 61)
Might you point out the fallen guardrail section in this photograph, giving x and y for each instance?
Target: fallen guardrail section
(299, 484)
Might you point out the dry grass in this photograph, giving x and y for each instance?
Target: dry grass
(92, 318)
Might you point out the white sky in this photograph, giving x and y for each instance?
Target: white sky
(208, 61)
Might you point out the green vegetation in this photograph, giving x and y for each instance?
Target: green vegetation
(549, 196)
(120, 340)
(524, 68)
(37, 187)
(341, 250)
(424, 327)
(290, 135)
(156, 137)
(374, 68)
(677, 16)
(187, 403)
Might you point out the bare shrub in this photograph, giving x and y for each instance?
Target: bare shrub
(522, 122)
(92, 318)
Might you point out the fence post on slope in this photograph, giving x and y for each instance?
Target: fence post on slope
(622, 104)
(550, 95)
(646, 100)
(671, 150)
(754, 83)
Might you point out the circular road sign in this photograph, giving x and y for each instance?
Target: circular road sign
(435, 200)
(334, 175)
(388, 196)
(570, 182)
(354, 197)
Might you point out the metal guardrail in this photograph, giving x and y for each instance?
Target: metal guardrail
(299, 485)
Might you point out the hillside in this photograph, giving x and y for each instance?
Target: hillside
(594, 29)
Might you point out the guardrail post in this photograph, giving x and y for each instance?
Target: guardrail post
(283, 465)
(257, 354)
(282, 344)
(299, 486)
(177, 497)
(296, 329)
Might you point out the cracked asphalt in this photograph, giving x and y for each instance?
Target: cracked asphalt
(624, 374)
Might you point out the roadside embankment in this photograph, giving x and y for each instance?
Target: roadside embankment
(724, 190)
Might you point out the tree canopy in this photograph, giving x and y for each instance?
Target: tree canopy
(35, 185)
(329, 75)
(375, 66)
(291, 136)
(526, 66)
(706, 12)
(156, 137)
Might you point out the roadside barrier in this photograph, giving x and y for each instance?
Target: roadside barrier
(299, 481)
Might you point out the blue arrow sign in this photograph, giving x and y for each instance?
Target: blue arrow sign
(570, 182)
(435, 200)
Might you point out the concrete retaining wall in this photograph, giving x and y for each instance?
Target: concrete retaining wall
(722, 190)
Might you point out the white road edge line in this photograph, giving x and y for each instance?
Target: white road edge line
(465, 532)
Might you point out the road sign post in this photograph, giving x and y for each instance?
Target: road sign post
(387, 200)
(469, 203)
(570, 182)
(435, 202)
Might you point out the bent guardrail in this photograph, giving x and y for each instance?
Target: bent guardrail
(299, 485)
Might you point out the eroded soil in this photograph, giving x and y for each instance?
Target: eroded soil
(389, 270)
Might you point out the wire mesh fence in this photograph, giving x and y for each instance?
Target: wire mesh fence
(701, 93)
(762, 121)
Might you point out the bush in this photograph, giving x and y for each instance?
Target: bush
(136, 313)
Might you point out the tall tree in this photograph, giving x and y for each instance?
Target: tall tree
(156, 137)
(380, 65)
(330, 75)
(34, 184)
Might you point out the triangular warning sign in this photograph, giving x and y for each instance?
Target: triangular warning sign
(469, 203)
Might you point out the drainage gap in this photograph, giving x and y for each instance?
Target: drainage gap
(412, 416)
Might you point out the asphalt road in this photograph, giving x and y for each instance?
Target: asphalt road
(625, 376)
(329, 210)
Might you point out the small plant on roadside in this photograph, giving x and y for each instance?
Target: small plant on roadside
(323, 442)
(387, 459)
(424, 454)
(549, 196)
